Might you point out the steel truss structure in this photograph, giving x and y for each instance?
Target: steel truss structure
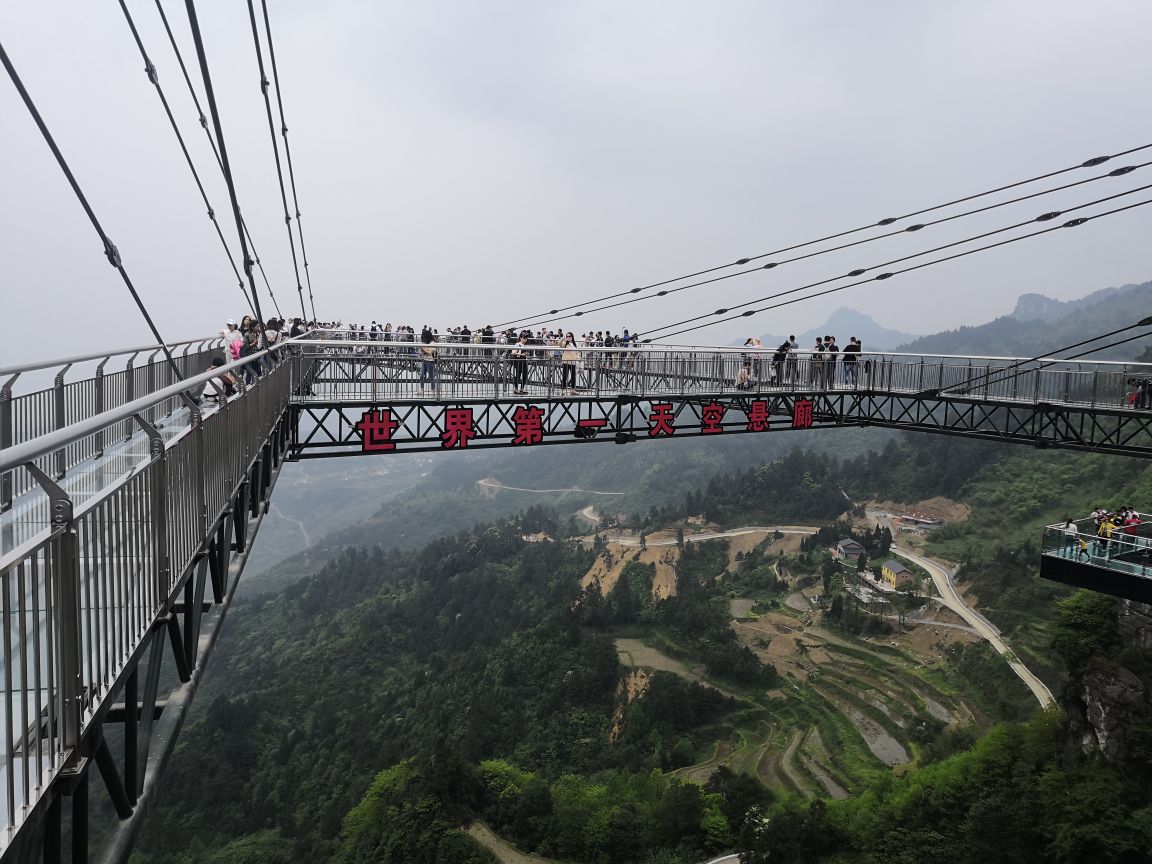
(322, 429)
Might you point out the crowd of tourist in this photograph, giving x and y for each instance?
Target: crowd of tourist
(1110, 533)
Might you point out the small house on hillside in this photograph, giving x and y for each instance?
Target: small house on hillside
(848, 550)
(897, 575)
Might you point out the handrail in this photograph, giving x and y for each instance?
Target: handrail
(15, 456)
(764, 352)
(50, 364)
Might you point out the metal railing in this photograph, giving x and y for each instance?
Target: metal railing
(80, 596)
(1126, 549)
(28, 416)
(368, 371)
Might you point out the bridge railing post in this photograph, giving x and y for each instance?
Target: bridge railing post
(158, 507)
(63, 625)
(6, 440)
(98, 403)
(60, 416)
(129, 388)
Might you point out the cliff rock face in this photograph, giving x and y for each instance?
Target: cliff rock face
(1037, 307)
(1113, 703)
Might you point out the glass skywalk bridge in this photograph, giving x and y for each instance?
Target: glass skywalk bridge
(1120, 565)
(126, 517)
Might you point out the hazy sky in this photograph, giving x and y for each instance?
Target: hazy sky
(475, 161)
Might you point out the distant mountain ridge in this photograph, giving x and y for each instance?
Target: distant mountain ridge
(1040, 325)
(843, 324)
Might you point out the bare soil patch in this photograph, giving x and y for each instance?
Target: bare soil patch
(742, 544)
(610, 564)
(740, 607)
(501, 848)
(939, 507)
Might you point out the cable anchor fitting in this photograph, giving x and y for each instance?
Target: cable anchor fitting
(111, 253)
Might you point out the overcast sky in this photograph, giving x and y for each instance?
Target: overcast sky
(472, 162)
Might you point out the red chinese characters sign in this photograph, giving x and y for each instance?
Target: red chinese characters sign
(529, 421)
(376, 428)
(758, 416)
(459, 428)
(711, 416)
(660, 420)
(802, 414)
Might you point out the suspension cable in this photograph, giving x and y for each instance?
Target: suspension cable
(1072, 223)
(1089, 163)
(288, 155)
(1043, 217)
(1119, 172)
(276, 153)
(110, 250)
(215, 152)
(1004, 373)
(154, 77)
(210, 95)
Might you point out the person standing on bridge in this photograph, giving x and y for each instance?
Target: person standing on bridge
(816, 364)
(851, 358)
(568, 359)
(792, 361)
(519, 357)
(428, 361)
(1071, 537)
(832, 351)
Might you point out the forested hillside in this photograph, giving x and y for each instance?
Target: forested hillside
(1011, 336)
(369, 711)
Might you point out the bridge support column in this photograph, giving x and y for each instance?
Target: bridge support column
(151, 686)
(240, 518)
(111, 778)
(131, 740)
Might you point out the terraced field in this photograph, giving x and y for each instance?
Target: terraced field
(848, 710)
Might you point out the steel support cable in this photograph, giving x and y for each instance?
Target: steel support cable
(1088, 163)
(1119, 172)
(154, 77)
(110, 250)
(1072, 223)
(225, 166)
(1001, 374)
(215, 152)
(1043, 217)
(288, 155)
(276, 153)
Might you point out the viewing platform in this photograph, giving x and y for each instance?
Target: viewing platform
(1120, 566)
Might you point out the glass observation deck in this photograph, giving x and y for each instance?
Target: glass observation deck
(1120, 566)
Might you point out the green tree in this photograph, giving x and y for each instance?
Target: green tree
(1085, 628)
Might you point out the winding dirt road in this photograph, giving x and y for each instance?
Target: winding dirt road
(493, 483)
(942, 578)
